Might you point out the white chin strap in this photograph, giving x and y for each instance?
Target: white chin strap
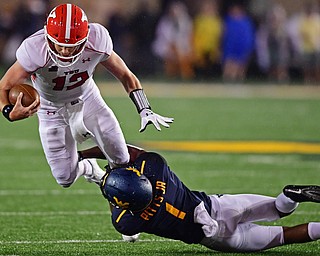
(58, 60)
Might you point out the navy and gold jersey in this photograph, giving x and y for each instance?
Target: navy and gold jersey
(171, 211)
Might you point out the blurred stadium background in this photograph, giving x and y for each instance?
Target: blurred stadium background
(278, 48)
(272, 109)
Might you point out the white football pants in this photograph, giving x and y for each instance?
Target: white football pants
(235, 215)
(60, 147)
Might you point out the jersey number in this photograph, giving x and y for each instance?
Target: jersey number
(79, 78)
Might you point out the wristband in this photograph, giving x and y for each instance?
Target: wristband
(6, 111)
(139, 99)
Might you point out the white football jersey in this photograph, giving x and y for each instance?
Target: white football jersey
(64, 84)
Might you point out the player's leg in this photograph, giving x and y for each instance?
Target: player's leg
(230, 210)
(258, 237)
(60, 148)
(250, 207)
(287, 201)
(249, 237)
(235, 214)
(305, 232)
(302, 233)
(101, 121)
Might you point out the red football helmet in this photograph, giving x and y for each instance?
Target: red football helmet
(67, 26)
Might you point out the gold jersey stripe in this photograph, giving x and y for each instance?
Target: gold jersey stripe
(142, 166)
(174, 211)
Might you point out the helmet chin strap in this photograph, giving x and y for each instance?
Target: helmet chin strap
(60, 63)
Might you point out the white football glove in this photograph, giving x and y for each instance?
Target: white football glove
(148, 117)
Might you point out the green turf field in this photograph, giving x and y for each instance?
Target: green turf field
(37, 217)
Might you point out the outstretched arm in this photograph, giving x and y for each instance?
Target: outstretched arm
(132, 85)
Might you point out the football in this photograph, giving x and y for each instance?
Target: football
(30, 94)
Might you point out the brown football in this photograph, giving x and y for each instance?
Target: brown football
(30, 94)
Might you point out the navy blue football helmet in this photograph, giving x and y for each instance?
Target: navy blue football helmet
(127, 188)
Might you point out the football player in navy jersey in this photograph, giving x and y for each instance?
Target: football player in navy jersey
(148, 197)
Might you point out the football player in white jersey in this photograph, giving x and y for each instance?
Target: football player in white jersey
(61, 59)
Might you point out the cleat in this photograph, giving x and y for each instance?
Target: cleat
(299, 193)
(131, 239)
(97, 172)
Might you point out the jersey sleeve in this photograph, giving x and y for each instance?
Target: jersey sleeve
(100, 40)
(125, 223)
(32, 53)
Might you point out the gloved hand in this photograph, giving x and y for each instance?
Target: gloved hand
(148, 117)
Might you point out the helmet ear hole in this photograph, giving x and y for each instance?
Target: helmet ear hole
(128, 189)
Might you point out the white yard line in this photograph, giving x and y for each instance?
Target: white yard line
(89, 213)
(20, 143)
(47, 192)
(81, 241)
(60, 213)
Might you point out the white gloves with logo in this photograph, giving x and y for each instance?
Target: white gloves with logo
(148, 117)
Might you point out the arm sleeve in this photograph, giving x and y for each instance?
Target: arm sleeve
(125, 223)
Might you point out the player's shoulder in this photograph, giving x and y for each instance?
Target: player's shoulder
(152, 156)
(99, 39)
(36, 39)
(152, 164)
(32, 53)
(97, 28)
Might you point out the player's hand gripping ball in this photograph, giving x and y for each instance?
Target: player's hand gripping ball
(30, 94)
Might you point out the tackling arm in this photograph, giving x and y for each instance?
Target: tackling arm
(95, 152)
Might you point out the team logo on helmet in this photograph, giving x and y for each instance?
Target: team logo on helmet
(121, 204)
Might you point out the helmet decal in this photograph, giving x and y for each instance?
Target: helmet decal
(68, 23)
(52, 14)
(121, 204)
(84, 17)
